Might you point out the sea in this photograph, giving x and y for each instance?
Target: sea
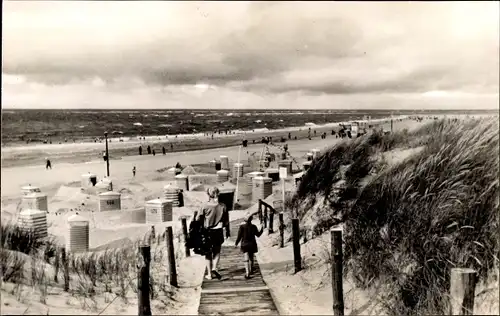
(42, 126)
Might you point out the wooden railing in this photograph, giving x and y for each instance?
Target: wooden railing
(268, 214)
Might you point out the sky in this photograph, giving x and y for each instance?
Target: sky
(250, 55)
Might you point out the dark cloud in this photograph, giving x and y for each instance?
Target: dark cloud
(269, 42)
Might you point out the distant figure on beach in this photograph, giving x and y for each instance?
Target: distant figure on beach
(149, 150)
(246, 234)
(215, 219)
(285, 147)
(163, 150)
(48, 164)
(133, 171)
(140, 150)
(289, 135)
(245, 143)
(154, 152)
(172, 147)
(341, 133)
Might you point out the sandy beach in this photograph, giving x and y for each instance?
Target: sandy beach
(32, 154)
(70, 169)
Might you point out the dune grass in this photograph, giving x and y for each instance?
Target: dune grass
(30, 261)
(406, 228)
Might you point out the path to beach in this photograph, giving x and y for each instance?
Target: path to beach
(233, 294)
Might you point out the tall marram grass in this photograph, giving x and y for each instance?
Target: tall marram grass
(16, 241)
(357, 155)
(435, 211)
(92, 273)
(413, 222)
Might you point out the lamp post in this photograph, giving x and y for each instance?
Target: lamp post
(107, 154)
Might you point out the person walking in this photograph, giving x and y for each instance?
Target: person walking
(48, 164)
(140, 150)
(246, 234)
(133, 171)
(163, 150)
(215, 218)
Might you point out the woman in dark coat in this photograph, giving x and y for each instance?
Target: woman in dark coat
(247, 234)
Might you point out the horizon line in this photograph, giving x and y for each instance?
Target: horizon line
(260, 109)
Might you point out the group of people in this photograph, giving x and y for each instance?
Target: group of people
(206, 235)
(152, 151)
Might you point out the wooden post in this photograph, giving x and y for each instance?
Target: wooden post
(171, 257)
(282, 230)
(152, 235)
(228, 227)
(65, 264)
(336, 267)
(265, 216)
(271, 222)
(56, 266)
(185, 234)
(462, 291)
(296, 245)
(261, 217)
(33, 270)
(143, 280)
(283, 192)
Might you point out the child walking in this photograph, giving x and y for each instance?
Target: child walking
(247, 234)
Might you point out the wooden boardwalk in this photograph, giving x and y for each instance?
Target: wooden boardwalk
(233, 294)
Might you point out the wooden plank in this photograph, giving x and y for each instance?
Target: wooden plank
(251, 309)
(243, 300)
(240, 299)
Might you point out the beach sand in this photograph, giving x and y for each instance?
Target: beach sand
(35, 154)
